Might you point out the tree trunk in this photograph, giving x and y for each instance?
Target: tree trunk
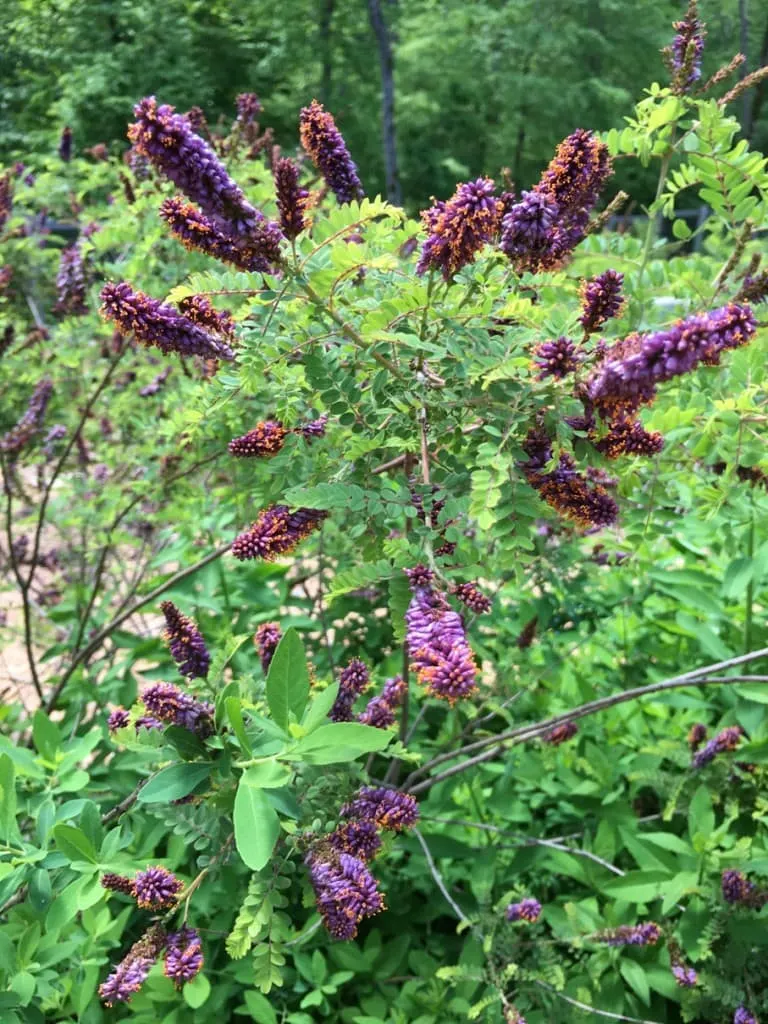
(326, 73)
(386, 62)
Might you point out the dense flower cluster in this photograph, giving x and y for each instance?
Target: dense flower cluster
(315, 428)
(556, 358)
(354, 678)
(156, 323)
(22, 433)
(266, 639)
(183, 956)
(277, 531)
(380, 711)
(528, 910)
(628, 373)
(438, 647)
(173, 706)
(569, 492)
(346, 892)
(726, 739)
(202, 312)
(647, 934)
(259, 250)
(601, 300)
(685, 977)
(683, 57)
(754, 288)
(131, 973)
(358, 838)
(472, 596)
(186, 642)
(387, 808)
(70, 283)
(119, 719)
(265, 440)
(459, 228)
(6, 197)
(629, 437)
(325, 146)
(65, 145)
(743, 1016)
(736, 887)
(560, 733)
(248, 109)
(291, 198)
(156, 888)
(118, 883)
(540, 231)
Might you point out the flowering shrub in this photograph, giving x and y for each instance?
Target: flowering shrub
(311, 603)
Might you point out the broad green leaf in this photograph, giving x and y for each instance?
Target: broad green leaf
(173, 783)
(701, 816)
(267, 775)
(317, 712)
(234, 712)
(737, 576)
(288, 679)
(257, 825)
(40, 892)
(74, 844)
(8, 829)
(196, 992)
(45, 736)
(260, 1008)
(635, 977)
(637, 886)
(341, 741)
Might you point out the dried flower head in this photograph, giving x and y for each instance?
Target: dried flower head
(291, 198)
(265, 440)
(65, 145)
(629, 437)
(560, 733)
(726, 740)
(696, 736)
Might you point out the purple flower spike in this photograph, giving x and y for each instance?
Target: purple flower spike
(346, 893)
(156, 888)
(528, 233)
(743, 1016)
(528, 910)
(155, 323)
(556, 358)
(647, 934)
(386, 808)
(173, 706)
(131, 973)
(380, 711)
(277, 531)
(359, 838)
(118, 719)
(186, 642)
(6, 197)
(314, 428)
(65, 145)
(70, 284)
(437, 644)
(736, 888)
(629, 437)
(685, 977)
(683, 57)
(183, 957)
(726, 740)
(259, 250)
(458, 229)
(354, 678)
(266, 639)
(265, 440)
(323, 141)
(291, 198)
(473, 597)
(19, 436)
(601, 300)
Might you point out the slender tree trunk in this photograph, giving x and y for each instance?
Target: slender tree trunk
(326, 73)
(759, 95)
(387, 64)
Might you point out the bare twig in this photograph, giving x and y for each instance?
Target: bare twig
(439, 878)
(592, 1009)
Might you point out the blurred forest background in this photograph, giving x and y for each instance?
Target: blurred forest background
(476, 85)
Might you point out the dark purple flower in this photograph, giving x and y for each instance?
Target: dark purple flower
(156, 888)
(118, 719)
(556, 358)
(630, 370)
(155, 323)
(314, 428)
(685, 977)
(528, 235)
(346, 893)
(473, 597)
(168, 140)
(683, 57)
(183, 956)
(20, 435)
(419, 576)
(601, 300)
(359, 838)
(354, 678)
(101, 473)
(386, 808)
(70, 283)
(736, 887)
(743, 1016)
(185, 642)
(265, 440)
(647, 934)
(268, 635)
(754, 288)
(323, 141)
(118, 883)
(201, 311)
(564, 488)
(629, 437)
(131, 973)
(173, 706)
(696, 736)
(528, 910)
(528, 633)
(727, 739)
(379, 712)
(65, 145)
(277, 531)
(259, 250)
(560, 733)
(291, 198)
(156, 384)
(458, 229)
(6, 197)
